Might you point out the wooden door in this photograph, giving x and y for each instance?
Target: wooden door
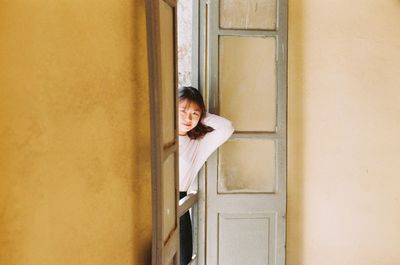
(246, 177)
(161, 17)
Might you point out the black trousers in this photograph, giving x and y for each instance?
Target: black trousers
(185, 234)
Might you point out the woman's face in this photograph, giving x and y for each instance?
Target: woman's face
(189, 116)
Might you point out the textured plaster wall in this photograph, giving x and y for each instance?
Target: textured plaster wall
(74, 133)
(185, 17)
(344, 125)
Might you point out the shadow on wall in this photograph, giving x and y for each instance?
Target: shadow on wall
(295, 205)
(141, 156)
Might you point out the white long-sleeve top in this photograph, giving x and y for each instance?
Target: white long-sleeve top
(194, 153)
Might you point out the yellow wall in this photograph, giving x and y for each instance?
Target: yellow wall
(74, 133)
(344, 127)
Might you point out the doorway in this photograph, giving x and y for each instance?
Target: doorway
(239, 63)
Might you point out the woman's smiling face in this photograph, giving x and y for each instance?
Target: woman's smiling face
(189, 116)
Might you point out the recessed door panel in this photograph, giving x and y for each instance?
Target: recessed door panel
(245, 238)
(167, 40)
(169, 202)
(248, 82)
(246, 166)
(249, 14)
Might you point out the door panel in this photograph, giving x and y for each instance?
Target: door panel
(249, 14)
(247, 82)
(167, 37)
(169, 204)
(246, 177)
(239, 231)
(246, 166)
(161, 26)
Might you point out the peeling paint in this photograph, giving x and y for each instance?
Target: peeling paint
(251, 14)
(185, 42)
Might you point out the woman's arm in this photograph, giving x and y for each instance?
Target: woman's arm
(223, 129)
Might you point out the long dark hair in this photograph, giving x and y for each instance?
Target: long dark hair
(191, 94)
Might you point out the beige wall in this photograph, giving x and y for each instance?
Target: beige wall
(74, 133)
(344, 125)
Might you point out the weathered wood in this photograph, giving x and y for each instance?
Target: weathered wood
(162, 252)
(187, 202)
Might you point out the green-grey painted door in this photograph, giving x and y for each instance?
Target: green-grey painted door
(246, 177)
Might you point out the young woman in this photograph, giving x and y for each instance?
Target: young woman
(200, 134)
